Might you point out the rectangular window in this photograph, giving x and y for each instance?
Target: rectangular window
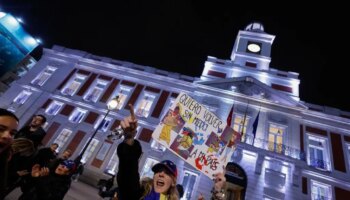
(62, 138)
(44, 76)
(318, 154)
(123, 94)
(144, 106)
(95, 92)
(275, 138)
(22, 97)
(320, 191)
(147, 168)
(73, 85)
(250, 64)
(112, 166)
(188, 184)
(91, 148)
(103, 125)
(77, 115)
(240, 125)
(157, 146)
(101, 155)
(53, 108)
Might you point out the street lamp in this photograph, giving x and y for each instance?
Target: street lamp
(111, 105)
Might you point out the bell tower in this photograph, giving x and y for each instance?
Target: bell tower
(252, 47)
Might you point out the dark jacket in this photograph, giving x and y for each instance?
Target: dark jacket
(44, 156)
(36, 137)
(51, 187)
(4, 156)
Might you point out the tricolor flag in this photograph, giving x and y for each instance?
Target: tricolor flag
(229, 117)
(255, 125)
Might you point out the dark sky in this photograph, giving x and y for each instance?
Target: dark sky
(178, 35)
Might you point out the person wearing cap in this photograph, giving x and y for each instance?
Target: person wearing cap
(49, 185)
(164, 182)
(55, 162)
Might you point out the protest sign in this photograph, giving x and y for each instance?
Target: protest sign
(197, 135)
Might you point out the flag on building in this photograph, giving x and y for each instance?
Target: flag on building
(255, 125)
(243, 131)
(229, 117)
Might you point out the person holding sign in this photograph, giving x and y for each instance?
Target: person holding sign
(165, 173)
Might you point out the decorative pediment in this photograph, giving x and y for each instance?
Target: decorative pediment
(254, 88)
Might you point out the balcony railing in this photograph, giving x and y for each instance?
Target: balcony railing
(287, 151)
(320, 164)
(317, 196)
(275, 147)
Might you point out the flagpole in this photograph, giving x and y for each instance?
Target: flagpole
(244, 119)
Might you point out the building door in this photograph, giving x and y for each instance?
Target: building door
(236, 182)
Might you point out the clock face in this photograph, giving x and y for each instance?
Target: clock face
(253, 47)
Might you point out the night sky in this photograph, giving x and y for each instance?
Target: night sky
(178, 35)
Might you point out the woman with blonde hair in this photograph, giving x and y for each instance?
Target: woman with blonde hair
(163, 185)
(23, 146)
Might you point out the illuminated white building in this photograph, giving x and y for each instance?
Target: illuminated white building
(300, 150)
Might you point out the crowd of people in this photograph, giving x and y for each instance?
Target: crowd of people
(25, 163)
(43, 175)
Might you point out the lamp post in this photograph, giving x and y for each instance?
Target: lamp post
(111, 105)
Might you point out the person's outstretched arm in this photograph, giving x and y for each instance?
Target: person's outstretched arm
(129, 126)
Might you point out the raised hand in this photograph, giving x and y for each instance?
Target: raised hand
(37, 171)
(129, 124)
(219, 181)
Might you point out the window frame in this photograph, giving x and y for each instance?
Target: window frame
(89, 150)
(24, 93)
(50, 72)
(74, 112)
(113, 164)
(149, 172)
(238, 126)
(153, 97)
(93, 87)
(103, 128)
(323, 186)
(60, 104)
(156, 146)
(186, 187)
(120, 88)
(326, 160)
(70, 82)
(62, 142)
(283, 137)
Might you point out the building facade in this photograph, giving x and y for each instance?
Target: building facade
(290, 149)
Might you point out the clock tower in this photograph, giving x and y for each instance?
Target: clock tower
(252, 47)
